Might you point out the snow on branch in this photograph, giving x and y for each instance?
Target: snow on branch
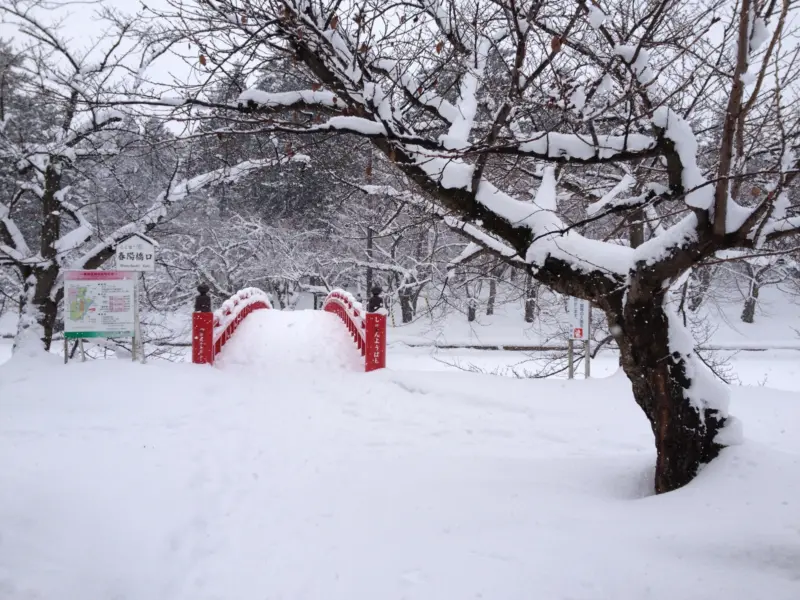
(481, 238)
(468, 230)
(91, 123)
(427, 98)
(458, 135)
(777, 228)
(74, 239)
(546, 195)
(19, 250)
(699, 194)
(583, 148)
(610, 199)
(639, 60)
(470, 251)
(271, 100)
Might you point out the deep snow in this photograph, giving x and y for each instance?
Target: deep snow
(286, 472)
(777, 323)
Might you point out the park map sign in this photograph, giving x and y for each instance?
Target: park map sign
(99, 304)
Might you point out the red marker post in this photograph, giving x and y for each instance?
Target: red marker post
(375, 357)
(202, 329)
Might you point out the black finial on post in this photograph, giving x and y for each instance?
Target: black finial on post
(203, 301)
(375, 302)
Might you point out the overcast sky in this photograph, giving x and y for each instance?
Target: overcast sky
(78, 22)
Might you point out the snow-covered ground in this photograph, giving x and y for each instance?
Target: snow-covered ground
(288, 473)
(777, 322)
(778, 369)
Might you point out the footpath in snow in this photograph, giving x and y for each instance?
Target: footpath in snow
(282, 342)
(286, 472)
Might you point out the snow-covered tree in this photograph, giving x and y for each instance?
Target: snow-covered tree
(651, 112)
(74, 181)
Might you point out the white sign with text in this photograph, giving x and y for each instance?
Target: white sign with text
(578, 318)
(136, 253)
(99, 304)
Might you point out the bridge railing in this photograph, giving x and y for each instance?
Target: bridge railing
(210, 331)
(350, 311)
(368, 329)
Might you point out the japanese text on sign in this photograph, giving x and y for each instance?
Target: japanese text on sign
(136, 254)
(98, 304)
(579, 319)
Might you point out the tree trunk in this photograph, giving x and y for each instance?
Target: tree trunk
(530, 299)
(472, 309)
(471, 304)
(369, 275)
(669, 382)
(702, 281)
(277, 291)
(39, 302)
(406, 307)
(39, 311)
(492, 296)
(749, 311)
(636, 234)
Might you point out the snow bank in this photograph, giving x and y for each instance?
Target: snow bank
(184, 482)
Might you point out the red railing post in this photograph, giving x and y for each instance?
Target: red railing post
(375, 356)
(211, 330)
(202, 329)
(368, 330)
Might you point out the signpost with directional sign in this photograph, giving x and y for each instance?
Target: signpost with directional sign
(579, 312)
(105, 304)
(137, 253)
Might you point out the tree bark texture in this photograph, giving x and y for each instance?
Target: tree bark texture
(660, 378)
(492, 296)
(750, 303)
(39, 302)
(406, 307)
(756, 278)
(702, 281)
(530, 299)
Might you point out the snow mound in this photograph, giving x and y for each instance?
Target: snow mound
(183, 482)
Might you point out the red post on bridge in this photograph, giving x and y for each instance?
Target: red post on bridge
(202, 329)
(375, 355)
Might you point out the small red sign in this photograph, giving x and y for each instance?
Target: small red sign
(376, 342)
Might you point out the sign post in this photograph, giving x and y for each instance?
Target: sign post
(202, 328)
(587, 351)
(137, 253)
(375, 332)
(137, 327)
(579, 324)
(570, 359)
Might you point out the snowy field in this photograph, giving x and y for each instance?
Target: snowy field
(287, 473)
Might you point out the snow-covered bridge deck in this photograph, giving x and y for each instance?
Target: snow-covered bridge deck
(288, 341)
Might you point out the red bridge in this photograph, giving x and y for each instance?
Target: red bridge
(212, 330)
